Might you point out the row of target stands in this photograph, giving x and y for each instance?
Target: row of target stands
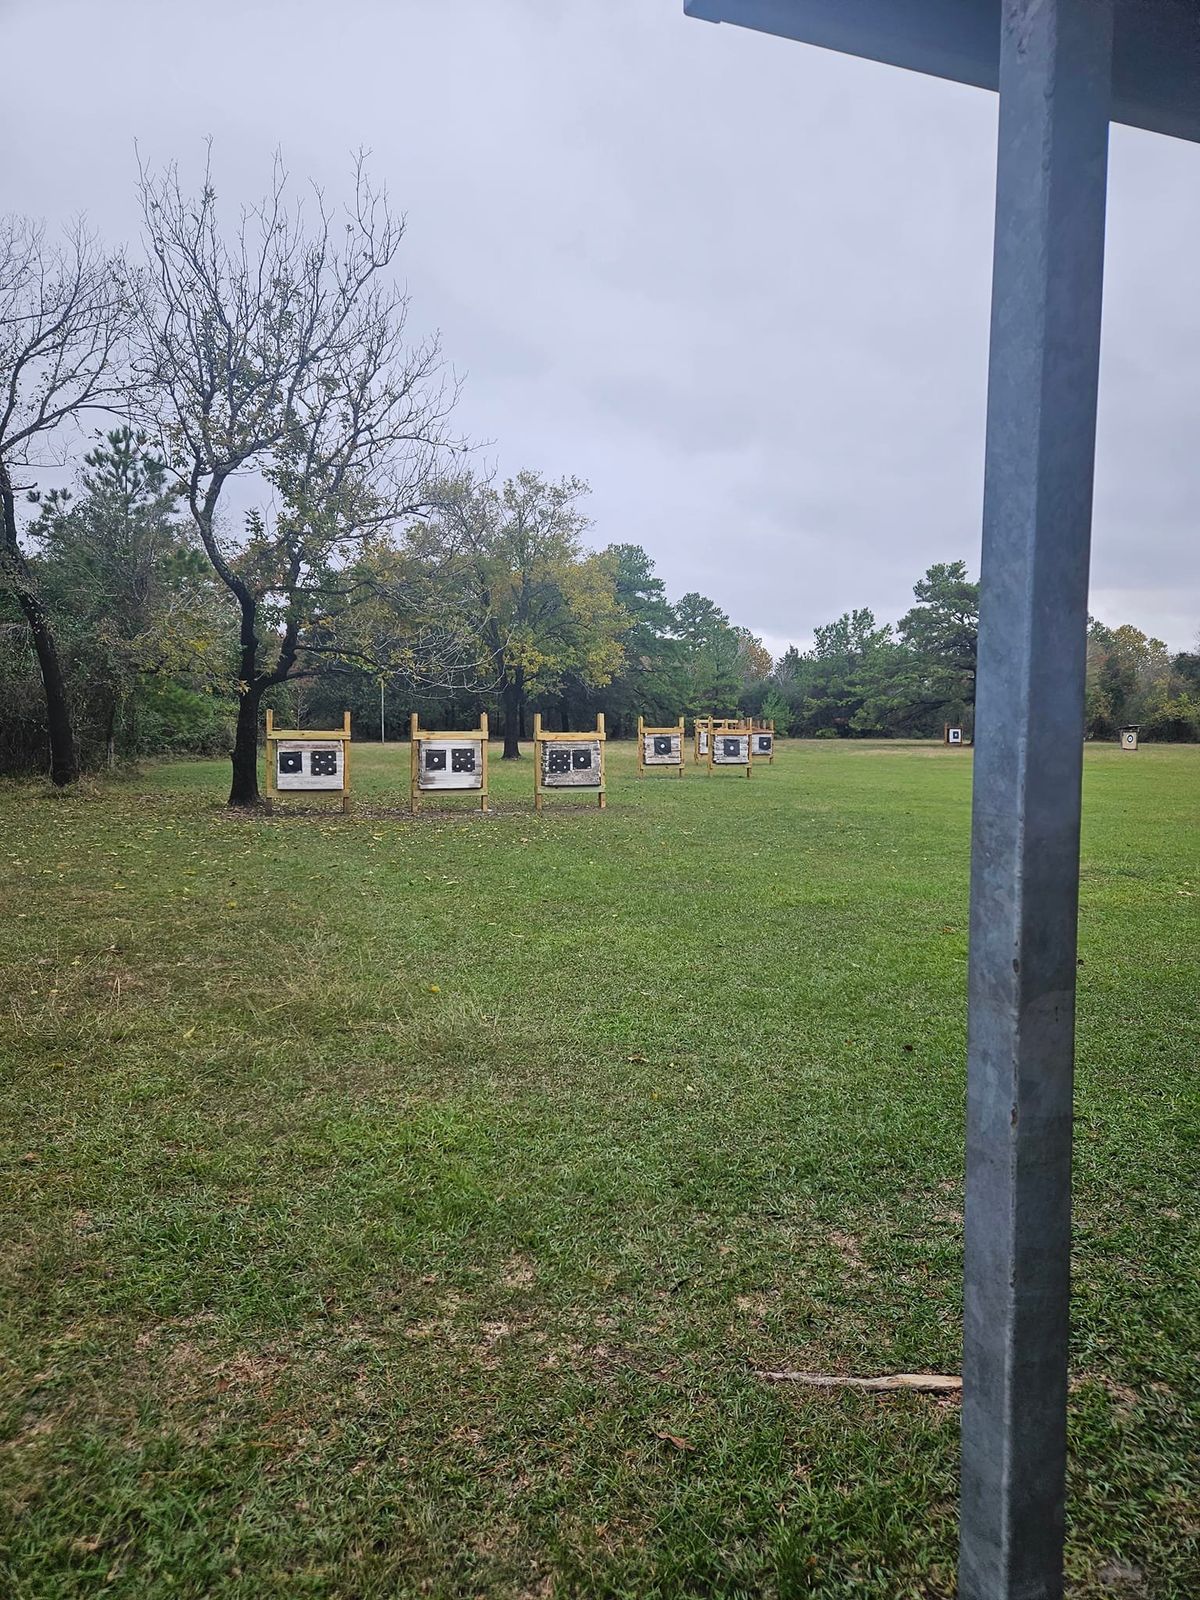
(954, 736)
(732, 742)
(308, 761)
(311, 760)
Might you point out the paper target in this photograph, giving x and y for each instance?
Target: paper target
(308, 764)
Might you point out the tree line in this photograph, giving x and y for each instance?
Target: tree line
(273, 508)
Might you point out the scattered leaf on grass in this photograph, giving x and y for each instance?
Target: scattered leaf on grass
(674, 1439)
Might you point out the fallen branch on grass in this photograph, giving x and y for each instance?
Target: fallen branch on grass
(922, 1382)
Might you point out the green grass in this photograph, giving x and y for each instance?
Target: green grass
(402, 1208)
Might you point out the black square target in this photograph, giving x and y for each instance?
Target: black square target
(560, 761)
(324, 764)
(581, 759)
(662, 744)
(435, 761)
(731, 747)
(764, 743)
(291, 761)
(462, 758)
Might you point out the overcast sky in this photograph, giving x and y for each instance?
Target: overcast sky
(737, 284)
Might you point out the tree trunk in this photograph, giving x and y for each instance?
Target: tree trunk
(243, 791)
(244, 788)
(511, 700)
(64, 756)
(110, 735)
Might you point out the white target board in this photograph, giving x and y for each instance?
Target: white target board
(1129, 739)
(764, 744)
(702, 735)
(450, 764)
(954, 736)
(308, 764)
(730, 749)
(574, 764)
(662, 750)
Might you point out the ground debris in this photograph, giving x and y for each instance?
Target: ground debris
(919, 1382)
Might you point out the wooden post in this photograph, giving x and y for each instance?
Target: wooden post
(483, 728)
(641, 748)
(414, 756)
(346, 765)
(537, 760)
(682, 742)
(270, 761)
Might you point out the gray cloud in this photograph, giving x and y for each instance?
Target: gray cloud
(739, 285)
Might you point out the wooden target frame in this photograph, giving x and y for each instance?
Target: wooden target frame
(731, 730)
(763, 727)
(676, 731)
(707, 726)
(307, 737)
(418, 737)
(541, 740)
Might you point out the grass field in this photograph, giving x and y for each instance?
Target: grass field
(398, 1209)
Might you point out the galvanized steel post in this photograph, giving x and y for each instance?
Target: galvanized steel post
(1055, 79)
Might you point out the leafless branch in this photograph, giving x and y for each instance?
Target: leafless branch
(65, 314)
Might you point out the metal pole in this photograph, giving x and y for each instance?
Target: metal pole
(1055, 72)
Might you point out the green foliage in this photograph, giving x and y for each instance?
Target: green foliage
(775, 709)
(652, 678)
(1131, 678)
(543, 609)
(827, 688)
(135, 610)
(722, 664)
(942, 630)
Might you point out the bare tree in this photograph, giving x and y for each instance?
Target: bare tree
(279, 354)
(64, 312)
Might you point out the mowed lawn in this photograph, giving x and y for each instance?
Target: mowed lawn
(406, 1208)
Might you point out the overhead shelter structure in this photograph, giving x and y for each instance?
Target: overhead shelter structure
(1064, 70)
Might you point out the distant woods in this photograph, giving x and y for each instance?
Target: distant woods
(229, 479)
